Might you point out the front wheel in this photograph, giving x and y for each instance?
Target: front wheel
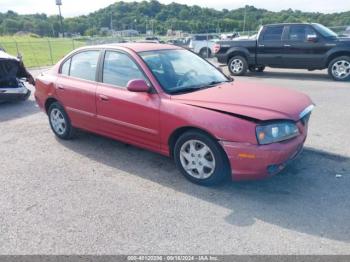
(201, 159)
(238, 66)
(339, 68)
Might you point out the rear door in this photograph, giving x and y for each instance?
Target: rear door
(270, 46)
(76, 87)
(130, 116)
(301, 53)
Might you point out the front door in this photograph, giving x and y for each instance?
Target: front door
(304, 47)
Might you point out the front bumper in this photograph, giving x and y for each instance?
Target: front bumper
(250, 162)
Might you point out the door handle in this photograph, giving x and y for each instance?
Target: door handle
(103, 98)
(286, 45)
(261, 45)
(60, 87)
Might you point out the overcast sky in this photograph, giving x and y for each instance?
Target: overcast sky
(79, 7)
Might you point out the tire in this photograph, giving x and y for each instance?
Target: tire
(339, 68)
(205, 53)
(62, 126)
(256, 69)
(209, 169)
(238, 66)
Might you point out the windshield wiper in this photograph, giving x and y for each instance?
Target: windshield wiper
(184, 89)
(197, 87)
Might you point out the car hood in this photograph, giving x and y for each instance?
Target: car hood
(249, 100)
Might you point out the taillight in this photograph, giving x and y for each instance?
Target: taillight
(216, 48)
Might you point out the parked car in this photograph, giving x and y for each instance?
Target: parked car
(303, 46)
(347, 32)
(182, 42)
(150, 96)
(12, 86)
(202, 44)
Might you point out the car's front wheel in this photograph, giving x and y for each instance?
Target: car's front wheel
(60, 122)
(201, 159)
(339, 68)
(238, 66)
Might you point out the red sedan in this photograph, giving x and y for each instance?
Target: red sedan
(171, 101)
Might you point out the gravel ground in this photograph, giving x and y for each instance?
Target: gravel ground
(93, 195)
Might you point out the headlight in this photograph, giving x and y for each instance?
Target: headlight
(276, 132)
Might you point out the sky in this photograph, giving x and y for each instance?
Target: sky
(79, 7)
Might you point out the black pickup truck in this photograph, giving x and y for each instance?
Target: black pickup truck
(298, 45)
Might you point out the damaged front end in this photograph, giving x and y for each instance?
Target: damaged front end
(12, 88)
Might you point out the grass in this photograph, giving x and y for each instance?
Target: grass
(38, 52)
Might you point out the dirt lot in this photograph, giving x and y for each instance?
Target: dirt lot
(98, 196)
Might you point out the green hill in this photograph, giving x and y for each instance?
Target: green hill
(143, 15)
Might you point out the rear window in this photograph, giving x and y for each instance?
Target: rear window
(273, 33)
(84, 64)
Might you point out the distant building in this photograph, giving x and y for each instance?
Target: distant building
(176, 33)
(126, 33)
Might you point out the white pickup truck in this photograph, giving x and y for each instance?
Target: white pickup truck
(202, 44)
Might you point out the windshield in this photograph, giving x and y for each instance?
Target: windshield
(182, 71)
(325, 31)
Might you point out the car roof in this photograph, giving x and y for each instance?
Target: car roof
(283, 24)
(140, 47)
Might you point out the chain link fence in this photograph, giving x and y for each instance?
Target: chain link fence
(40, 52)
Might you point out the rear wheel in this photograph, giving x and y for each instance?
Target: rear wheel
(205, 53)
(201, 159)
(60, 122)
(238, 66)
(339, 68)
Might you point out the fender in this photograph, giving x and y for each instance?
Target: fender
(241, 50)
(333, 53)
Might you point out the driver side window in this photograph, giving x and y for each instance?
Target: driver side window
(119, 69)
(300, 33)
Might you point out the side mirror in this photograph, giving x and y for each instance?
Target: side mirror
(312, 38)
(138, 85)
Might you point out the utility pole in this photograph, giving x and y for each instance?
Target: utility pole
(111, 20)
(245, 17)
(59, 3)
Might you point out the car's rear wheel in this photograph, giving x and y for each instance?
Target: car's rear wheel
(339, 68)
(238, 66)
(60, 122)
(201, 159)
(205, 53)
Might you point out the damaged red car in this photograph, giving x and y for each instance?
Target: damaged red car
(171, 101)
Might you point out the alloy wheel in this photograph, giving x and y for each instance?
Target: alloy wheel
(341, 69)
(58, 121)
(197, 159)
(236, 66)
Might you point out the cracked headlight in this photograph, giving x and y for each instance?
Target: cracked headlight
(276, 132)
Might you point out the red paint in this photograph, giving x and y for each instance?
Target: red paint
(149, 119)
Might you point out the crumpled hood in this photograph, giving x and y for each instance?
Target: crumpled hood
(249, 100)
